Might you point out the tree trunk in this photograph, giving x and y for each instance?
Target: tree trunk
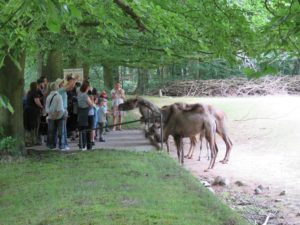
(73, 62)
(40, 62)
(86, 70)
(12, 86)
(200, 71)
(296, 69)
(110, 75)
(142, 84)
(53, 68)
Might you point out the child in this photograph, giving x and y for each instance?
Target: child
(104, 95)
(102, 112)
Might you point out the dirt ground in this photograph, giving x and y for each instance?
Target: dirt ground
(266, 136)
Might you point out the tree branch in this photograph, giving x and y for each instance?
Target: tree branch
(129, 11)
(267, 7)
(12, 15)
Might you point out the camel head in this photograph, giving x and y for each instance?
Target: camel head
(129, 104)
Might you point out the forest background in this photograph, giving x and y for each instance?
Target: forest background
(143, 44)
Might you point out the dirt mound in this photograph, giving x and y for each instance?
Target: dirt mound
(268, 85)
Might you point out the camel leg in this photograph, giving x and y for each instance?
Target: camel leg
(192, 148)
(193, 141)
(212, 154)
(168, 146)
(190, 151)
(210, 137)
(201, 142)
(216, 150)
(182, 151)
(228, 143)
(177, 143)
(207, 150)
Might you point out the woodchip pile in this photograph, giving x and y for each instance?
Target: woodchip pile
(268, 85)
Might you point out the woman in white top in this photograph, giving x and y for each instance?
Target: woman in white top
(118, 96)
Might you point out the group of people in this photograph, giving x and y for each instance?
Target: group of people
(69, 108)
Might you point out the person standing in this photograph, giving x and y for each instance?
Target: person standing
(104, 95)
(32, 115)
(84, 106)
(56, 111)
(91, 119)
(102, 113)
(73, 109)
(42, 125)
(62, 90)
(118, 96)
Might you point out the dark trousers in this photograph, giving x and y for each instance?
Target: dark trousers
(101, 130)
(84, 137)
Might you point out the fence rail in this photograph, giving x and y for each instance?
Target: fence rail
(128, 122)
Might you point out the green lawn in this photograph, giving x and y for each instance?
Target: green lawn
(106, 187)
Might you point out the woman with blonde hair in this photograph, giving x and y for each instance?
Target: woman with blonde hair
(118, 97)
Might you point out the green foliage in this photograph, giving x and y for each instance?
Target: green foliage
(4, 102)
(8, 146)
(107, 187)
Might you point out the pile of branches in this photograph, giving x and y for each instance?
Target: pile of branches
(268, 85)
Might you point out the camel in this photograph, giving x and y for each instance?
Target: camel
(147, 109)
(221, 129)
(189, 122)
(144, 106)
(151, 113)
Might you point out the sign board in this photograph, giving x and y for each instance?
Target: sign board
(74, 72)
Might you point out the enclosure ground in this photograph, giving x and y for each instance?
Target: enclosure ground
(266, 135)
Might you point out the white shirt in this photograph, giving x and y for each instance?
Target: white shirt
(117, 100)
(56, 106)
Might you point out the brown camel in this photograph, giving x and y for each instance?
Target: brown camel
(151, 113)
(187, 123)
(148, 109)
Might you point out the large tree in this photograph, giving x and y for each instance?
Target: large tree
(141, 34)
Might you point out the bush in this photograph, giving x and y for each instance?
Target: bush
(8, 146)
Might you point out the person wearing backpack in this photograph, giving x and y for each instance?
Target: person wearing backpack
(56, 111)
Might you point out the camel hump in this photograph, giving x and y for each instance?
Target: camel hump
(199, 108)
(188, 107)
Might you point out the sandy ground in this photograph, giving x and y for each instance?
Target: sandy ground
(266, 151)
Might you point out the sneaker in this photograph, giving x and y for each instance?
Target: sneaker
(101, 140)
(83, 149)
(67, 148)
(107, 130)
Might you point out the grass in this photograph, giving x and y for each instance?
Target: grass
(106, 187)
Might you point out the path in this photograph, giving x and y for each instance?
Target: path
(133, 140)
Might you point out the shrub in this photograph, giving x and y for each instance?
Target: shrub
(8, 146)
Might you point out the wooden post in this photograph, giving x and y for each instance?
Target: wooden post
(161, 132)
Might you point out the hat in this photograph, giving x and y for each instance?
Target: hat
(58, 81)
(53, 86)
